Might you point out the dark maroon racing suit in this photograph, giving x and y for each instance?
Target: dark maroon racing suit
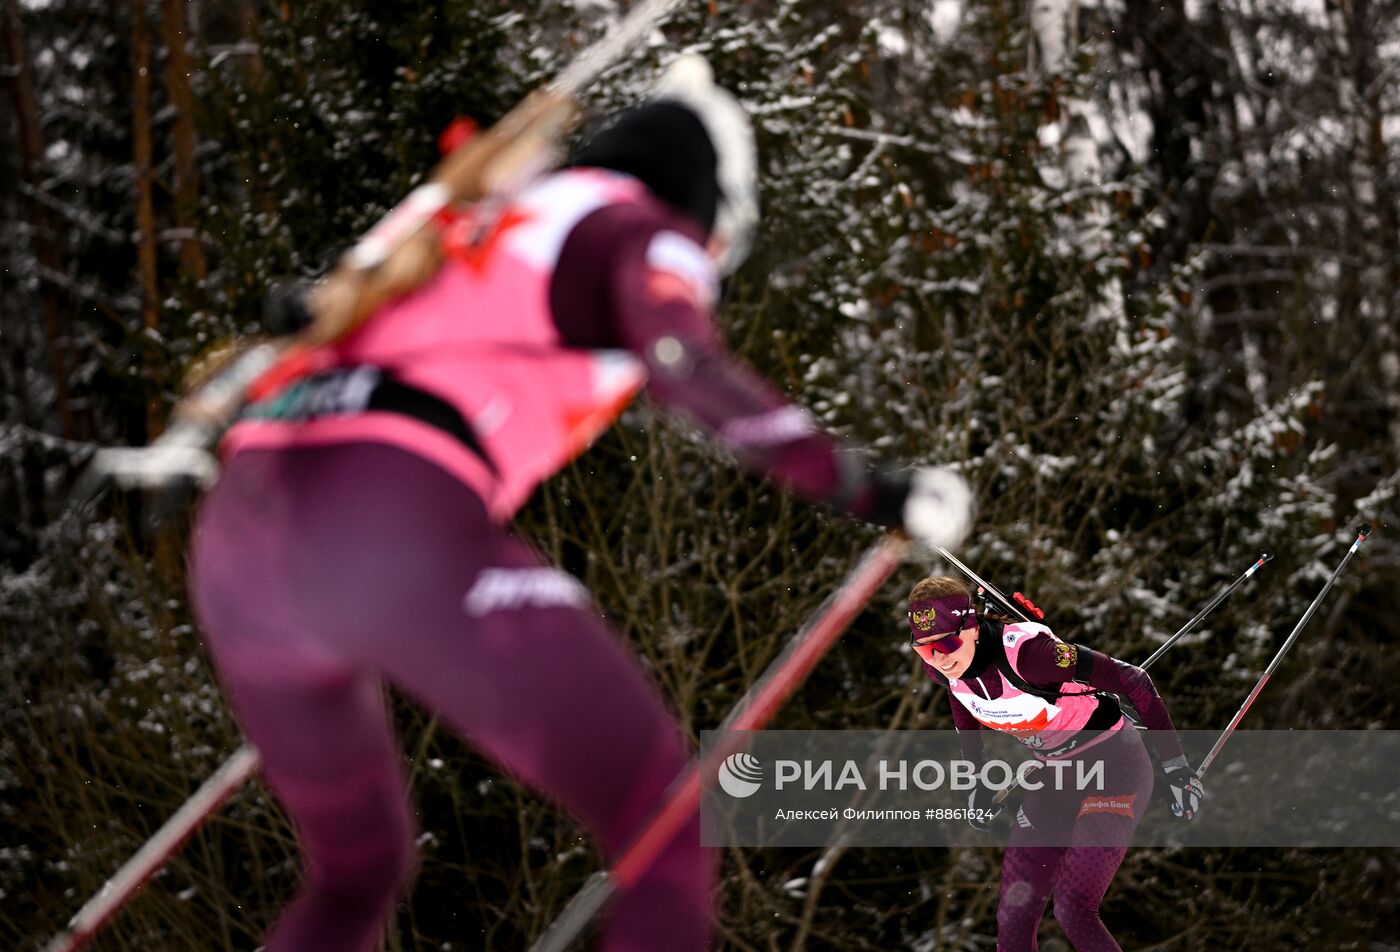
(1063, 842)
(322, 570)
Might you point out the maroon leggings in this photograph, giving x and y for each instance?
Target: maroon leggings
(320, 573)
(1098, 830)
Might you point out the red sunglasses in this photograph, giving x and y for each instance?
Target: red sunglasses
(943, 644)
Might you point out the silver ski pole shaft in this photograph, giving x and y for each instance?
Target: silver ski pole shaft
(1361, 533)
(758, 705)
(1210, 607)
(235, 772)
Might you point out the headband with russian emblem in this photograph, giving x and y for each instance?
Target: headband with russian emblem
(940, 616)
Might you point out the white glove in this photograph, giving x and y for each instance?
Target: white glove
(938, 509)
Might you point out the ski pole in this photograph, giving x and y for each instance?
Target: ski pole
(758, 705)
(754, 709)
(114, 893)
(1220, 596)
(1264, 556)
(1361, 533)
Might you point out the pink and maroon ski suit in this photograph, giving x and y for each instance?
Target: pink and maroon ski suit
(358, 536)
(1063, 843)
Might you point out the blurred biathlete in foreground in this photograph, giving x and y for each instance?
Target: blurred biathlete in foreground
(358, 533)
(1059, 700)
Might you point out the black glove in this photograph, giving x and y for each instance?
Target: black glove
(982, 808)
(1186, 788)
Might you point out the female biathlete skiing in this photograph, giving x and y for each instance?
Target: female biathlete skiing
(358, 534)
(1057, 699)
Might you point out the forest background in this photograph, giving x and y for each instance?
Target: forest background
(1132, 265)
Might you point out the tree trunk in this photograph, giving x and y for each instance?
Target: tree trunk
(1055, 24)
(141, 156)
(252, 63)
(1176, 69)
(1372, 206)
(177, 84)
(31, 157)
(1384, 243)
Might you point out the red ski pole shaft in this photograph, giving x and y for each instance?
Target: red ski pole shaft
(1361, 533)
(765, 697)
(755, 709)
(115, 893)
